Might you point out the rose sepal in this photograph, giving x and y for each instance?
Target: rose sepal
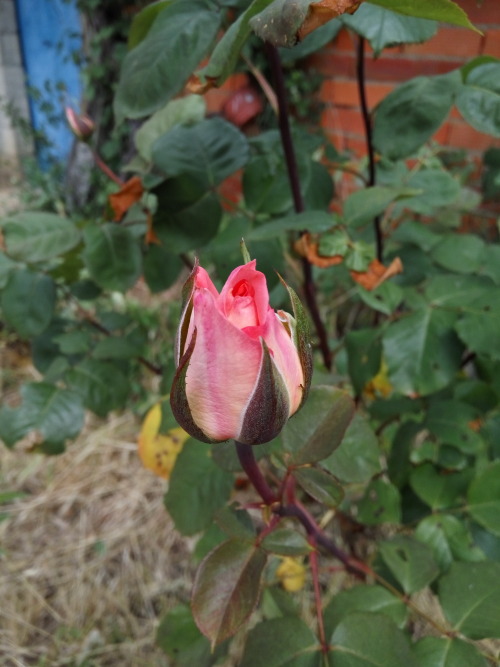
(300, 331)
(268, 409)
(186, 311)
(178, 397)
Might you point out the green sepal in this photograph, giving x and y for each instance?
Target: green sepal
(178, 397)
(301, 336)
(269, 408)
(187, 309)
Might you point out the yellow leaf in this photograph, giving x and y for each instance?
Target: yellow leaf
(291, 574)
(158, 452)
(380, 384)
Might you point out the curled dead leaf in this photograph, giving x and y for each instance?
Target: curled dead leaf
(307, 247)
(323, 11)
(130, 193)
(150, 232)
(377, 273)
(198, 87)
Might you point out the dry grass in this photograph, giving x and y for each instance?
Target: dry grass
(89, 559)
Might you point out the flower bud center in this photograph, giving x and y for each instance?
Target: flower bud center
(243, 288)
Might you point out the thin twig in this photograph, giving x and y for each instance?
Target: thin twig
(293, 175)
(365, 113)
(263, 83)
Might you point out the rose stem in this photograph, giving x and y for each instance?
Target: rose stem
(313, 559)
(293, 175)
(254, 474)
(365, 113)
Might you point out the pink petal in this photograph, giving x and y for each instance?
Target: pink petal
(286, 358)
(244, 299)
(222, 372)
(203, 281)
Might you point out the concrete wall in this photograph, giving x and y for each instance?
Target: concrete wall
(13, 91)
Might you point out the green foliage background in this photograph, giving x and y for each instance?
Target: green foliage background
(416, 474)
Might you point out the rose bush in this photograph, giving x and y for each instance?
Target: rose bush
(243, 369)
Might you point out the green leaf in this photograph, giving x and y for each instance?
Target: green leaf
(364, 205)
(208, 152)
(226, 588)
(359, 256)
(412, 113)
(115, 347)
(33, 236)
(74, 342)
(380, 504)
(112, 256)
(469, 596)
(459, 292)
(224, 57)
(418, 233)
(336, 242)
(439, 489)
(281, 642)
(102, 385)
(364, 639)
(184, 111)
(312, 221)
(161, 267)
(479, 99)
(180, 639)
(320, 485)
(157, 69)
(422, 351)
(286, 542)
(14, 424)
(143, 21)
(235, 523)
(448, 538)
(410, 561)
(28, 302)
(437, 10)
(198, 487)
(483, 498)
(364, 354)
(6, 268)
(479, 325)
(462, 253)
(437, 187)
(449, 421)
(56, 413)
(313, 42)
(385, 298)
(364, 598)
(317, 430)
(358, 457)
(384, 28)
(181, 227)
(438, 652)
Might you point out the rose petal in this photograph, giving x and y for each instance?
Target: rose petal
(285, 357)
(222, 372)
(244, 299)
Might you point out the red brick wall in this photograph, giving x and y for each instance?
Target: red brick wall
(450, 48)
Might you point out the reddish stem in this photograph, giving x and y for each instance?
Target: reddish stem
(313, 559)
(105, 169)
(249, 465)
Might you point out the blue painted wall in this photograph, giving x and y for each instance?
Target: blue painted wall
(50, 31)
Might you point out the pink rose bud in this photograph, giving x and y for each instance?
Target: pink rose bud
(82, 126)
(242, 369)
